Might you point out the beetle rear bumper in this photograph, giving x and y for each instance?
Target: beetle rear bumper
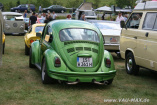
(82, 76)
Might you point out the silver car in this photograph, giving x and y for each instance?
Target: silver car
(111, 32)
(13, 23)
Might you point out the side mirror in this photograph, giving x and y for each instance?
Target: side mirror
(123, 25)
(51, 39)
(38, 34)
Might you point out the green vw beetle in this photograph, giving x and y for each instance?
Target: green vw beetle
(72, 51)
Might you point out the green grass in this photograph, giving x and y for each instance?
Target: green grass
(21, 85)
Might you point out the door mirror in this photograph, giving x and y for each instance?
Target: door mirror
(123, 25)
(51, 39)
(38, 34)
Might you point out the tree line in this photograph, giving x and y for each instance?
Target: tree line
(70, 3)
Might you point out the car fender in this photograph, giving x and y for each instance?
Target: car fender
(109, 56)
(35, 46)
(50, 55)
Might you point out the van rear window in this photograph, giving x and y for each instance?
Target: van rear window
(13, 17)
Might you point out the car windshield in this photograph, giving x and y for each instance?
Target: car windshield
(39, 29)
(78, 34)
(89, 13)
(12, 17)
(104, 26)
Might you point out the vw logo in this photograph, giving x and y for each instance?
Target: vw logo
(15, 24)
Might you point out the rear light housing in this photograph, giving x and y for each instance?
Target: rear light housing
(57, 62)
(107, 62)
(31, 41)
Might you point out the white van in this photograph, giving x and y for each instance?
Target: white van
(138, 41)
(13, 23)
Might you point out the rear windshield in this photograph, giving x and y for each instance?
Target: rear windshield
(89, 13)
(39, 29)
(107, 26)
(79, 34)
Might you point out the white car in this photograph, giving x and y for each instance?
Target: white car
(13, 23)
(111, 31)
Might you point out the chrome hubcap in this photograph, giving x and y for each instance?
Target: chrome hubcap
(129, 63)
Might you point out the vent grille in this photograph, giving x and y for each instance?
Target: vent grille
(70, 50)
(87, 48)
(71, 42)
(94, 50)
(79, 48)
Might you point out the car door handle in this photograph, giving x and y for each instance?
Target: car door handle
(146, 34)
(135, 37)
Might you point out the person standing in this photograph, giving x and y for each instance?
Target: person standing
(103, 16)
(25, 14)
(32, 19)
(29, 9)
(54, 15)
(119, 17)
(43, 16)
(83, 17)
(40, 9)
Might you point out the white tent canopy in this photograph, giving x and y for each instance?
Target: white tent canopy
(104, 8)
(108, 9)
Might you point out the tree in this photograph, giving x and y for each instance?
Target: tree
(18, 2)
(123, 3)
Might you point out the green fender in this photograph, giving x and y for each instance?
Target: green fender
(50, 55)
(35, 46)
(109, 56)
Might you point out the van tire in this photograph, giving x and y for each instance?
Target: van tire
(130, 64)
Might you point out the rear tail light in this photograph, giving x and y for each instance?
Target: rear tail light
(31, 41)
(57, 62)
(108, 63)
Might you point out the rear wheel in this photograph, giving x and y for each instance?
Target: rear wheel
(26, 50)
(30, 58)
(130, 64)
(44, 76)
(109, 82)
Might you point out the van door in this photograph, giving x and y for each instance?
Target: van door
(150, 32)
(129, 36)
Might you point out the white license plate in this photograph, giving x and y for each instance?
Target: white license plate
(113, 40)
(84, 62)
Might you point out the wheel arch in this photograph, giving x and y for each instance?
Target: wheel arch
(35, 46)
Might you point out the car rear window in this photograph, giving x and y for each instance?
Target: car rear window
(39, 29)
(79, 34)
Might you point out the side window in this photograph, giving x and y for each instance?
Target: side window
(149, 21)
(48, 33)
(134, 20)
(30, 29)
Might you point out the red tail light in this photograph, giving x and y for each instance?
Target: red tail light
(108, 63)
(31, 41)
(57, 62)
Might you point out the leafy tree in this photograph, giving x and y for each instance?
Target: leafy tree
(123, 3)
(18, 2)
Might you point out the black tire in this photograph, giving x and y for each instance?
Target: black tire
(130, 64)
(3, 47)
(109, 82)
(44, 76)
(26, 50)
(30, 57)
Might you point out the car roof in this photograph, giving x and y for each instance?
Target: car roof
(102, 21)
(38, 24)
(11, 13)
(62, 24)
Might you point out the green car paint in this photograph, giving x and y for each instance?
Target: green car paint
(71, 53)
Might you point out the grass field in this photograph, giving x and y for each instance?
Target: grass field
(21, 85)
